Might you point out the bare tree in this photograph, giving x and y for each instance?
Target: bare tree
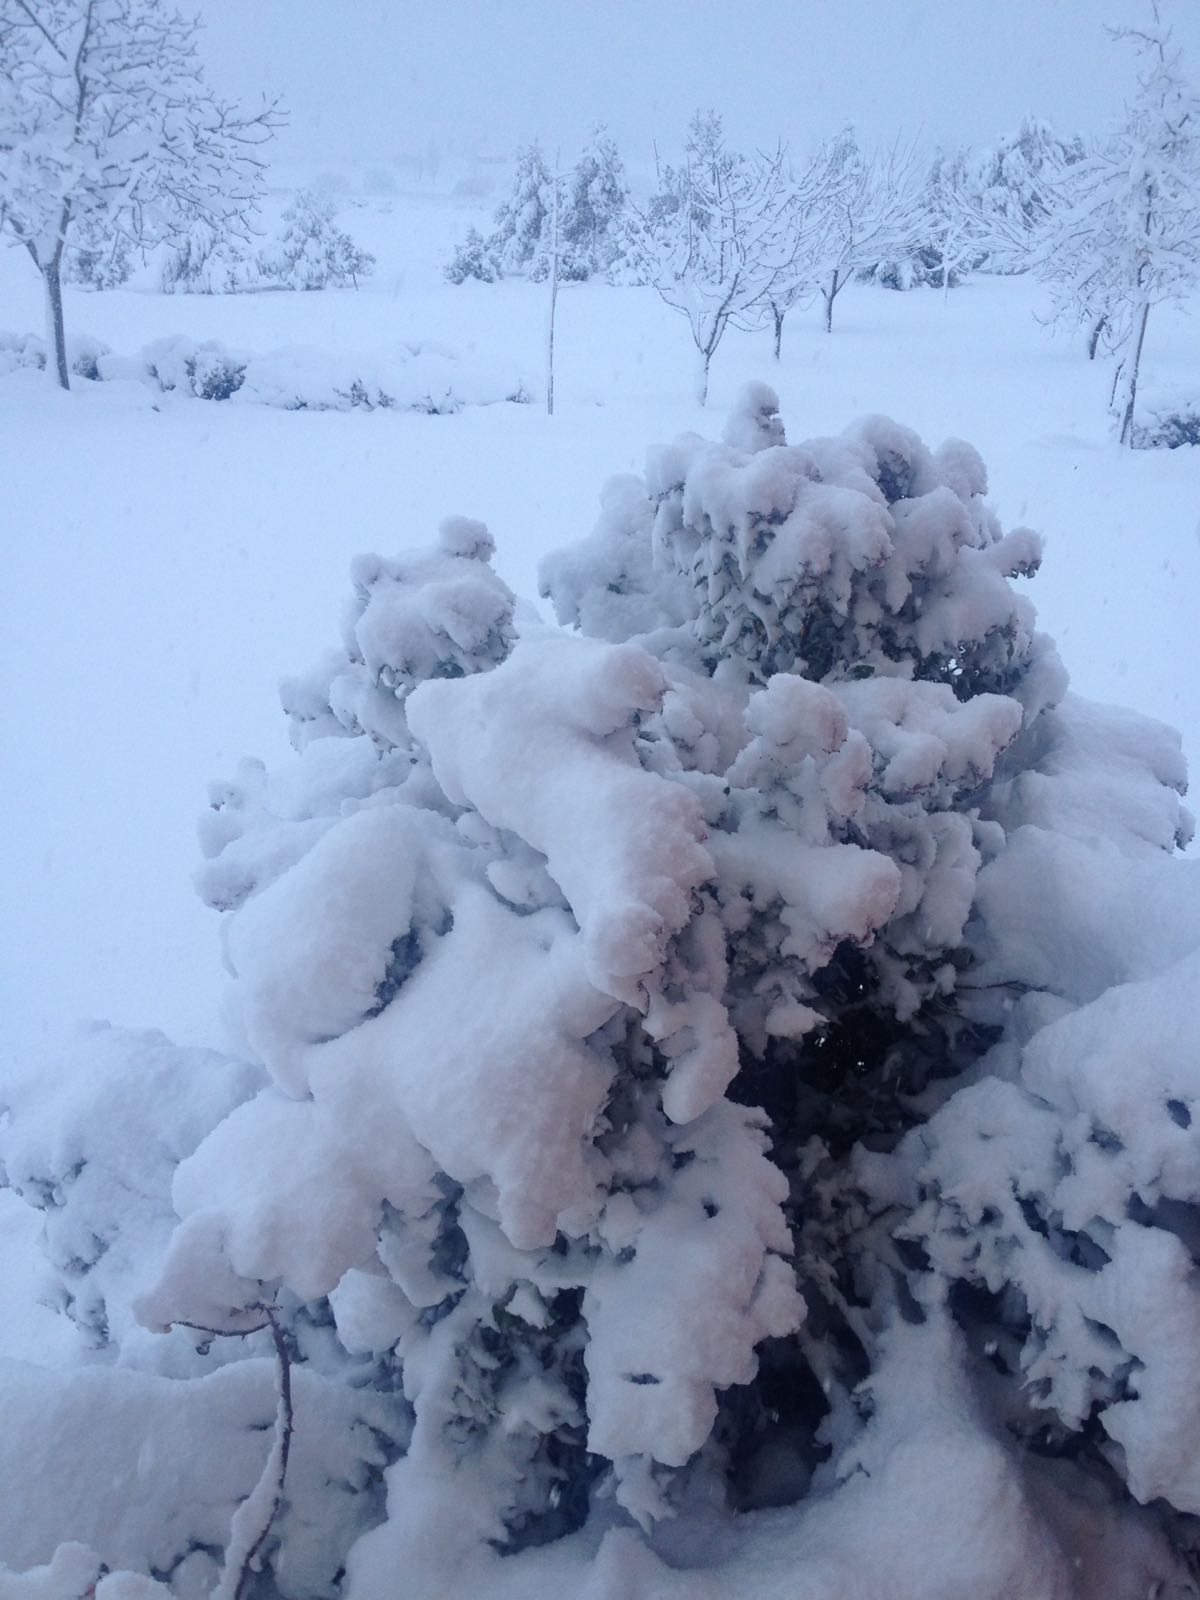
(714, 239)
(862, 213)
(1125, 235)
(107, 125)
(806, 221)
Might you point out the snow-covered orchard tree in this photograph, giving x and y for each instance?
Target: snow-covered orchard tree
(1125, 236)
(861, 213)
(1010, 191)
(947, 234)
(310, 250)
(673, 1084)
(714, 239)
(107, 125)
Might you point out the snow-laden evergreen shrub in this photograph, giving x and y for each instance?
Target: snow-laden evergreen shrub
(204, 369)
(427, 377)
(593, 213)
(310, 250)
(592, 199)
(203, 260)
(476, 257)
(694, 1067)
(97, 262)
(523, 220)
(1166, 421)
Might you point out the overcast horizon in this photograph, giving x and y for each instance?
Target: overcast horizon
(379, 81)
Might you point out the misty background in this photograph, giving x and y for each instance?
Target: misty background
(380, 81)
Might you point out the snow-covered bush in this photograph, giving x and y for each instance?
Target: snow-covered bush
(205, 261)
(181, 365)
(692, 1067)
(426, 377)
(145, 1450)
(85, 355)
(311, 251)
(476, 257)
(1166, 420)
(97, 261)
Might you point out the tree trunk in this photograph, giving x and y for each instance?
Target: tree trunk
(778, 315)
(56, 336)
(702, 376)
(554, 248)
(1094, 341)
(829, 296)
(1131, 393)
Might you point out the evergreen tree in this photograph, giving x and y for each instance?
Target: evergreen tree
(1012, 189)
(596, 199)
(311, 251)
(474, 258)
(520, 237)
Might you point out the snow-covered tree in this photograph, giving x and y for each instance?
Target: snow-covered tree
(519, 239)
(596, 196)
(714, 238)
(805, 224)
(204, 260)
(107, 125)
(591, 201)
(947, 233)
(1010, 190)
(1126, 234)
(95, 261)
(519, 242)
(476, 258)
(862, 212)
(310, 250)
(725, 1054)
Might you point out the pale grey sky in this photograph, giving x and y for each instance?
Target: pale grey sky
(373, 79)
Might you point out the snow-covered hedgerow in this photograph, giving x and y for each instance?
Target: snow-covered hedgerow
(428, 376)
(694, 1075)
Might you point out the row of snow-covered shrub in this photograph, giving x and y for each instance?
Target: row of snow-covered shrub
(415, 376)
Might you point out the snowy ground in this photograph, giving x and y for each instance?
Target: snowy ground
(168, 560)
